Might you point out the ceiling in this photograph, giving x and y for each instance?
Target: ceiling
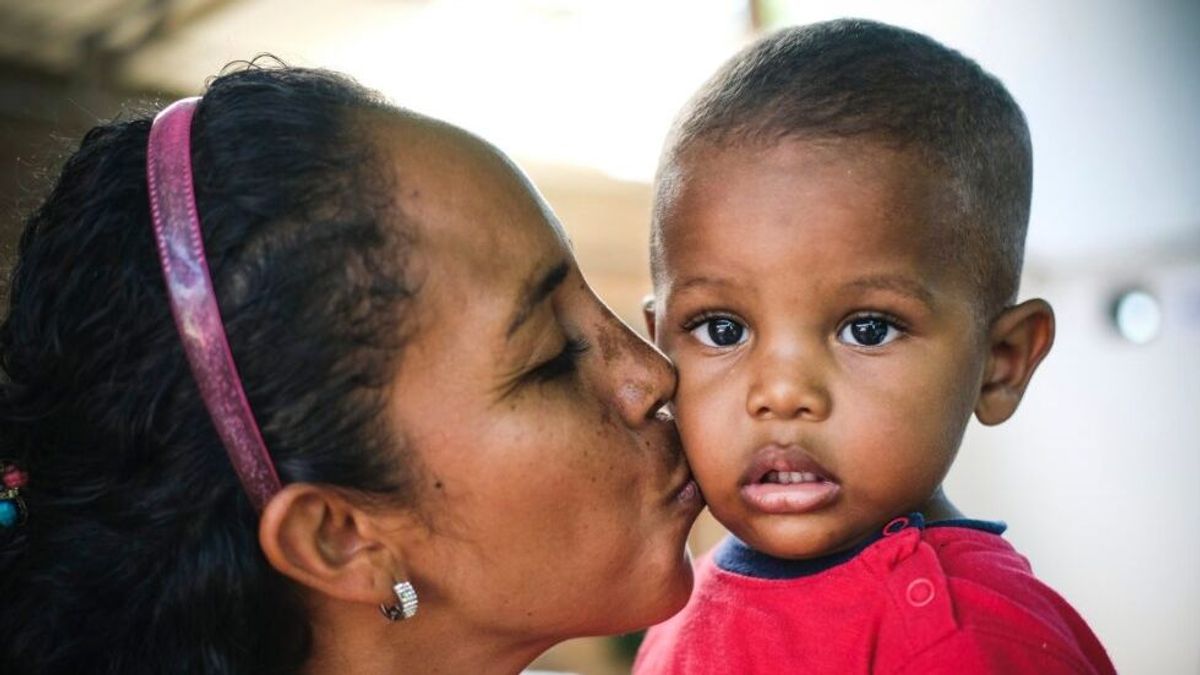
(1111, 88)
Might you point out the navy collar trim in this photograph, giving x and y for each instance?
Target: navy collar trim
(733, 555)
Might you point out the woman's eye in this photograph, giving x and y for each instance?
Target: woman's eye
(563, 363)
(868, 331)
(720, 333)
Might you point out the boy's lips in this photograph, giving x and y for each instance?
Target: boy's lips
(784, 479)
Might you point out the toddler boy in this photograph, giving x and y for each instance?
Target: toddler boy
(838, 231)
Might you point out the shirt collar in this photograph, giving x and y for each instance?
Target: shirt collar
(733, 555)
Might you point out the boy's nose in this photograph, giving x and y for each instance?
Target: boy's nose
(782, 393)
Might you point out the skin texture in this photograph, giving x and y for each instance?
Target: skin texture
(783, 248)
(550, 502)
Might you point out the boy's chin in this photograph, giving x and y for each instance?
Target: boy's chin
(796, 538)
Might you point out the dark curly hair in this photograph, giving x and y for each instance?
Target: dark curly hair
(140, 553)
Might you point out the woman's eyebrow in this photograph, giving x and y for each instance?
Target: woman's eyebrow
(537, 289)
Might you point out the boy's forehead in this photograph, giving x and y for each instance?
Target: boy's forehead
(884, 184)
(797, 159)
(847, 197)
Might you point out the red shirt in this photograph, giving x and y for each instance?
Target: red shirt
(947, 598)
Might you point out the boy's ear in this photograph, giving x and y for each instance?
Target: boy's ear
(648, 314)
(1018, 340)
(313, 535)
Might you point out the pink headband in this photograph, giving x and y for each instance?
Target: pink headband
(193, 302)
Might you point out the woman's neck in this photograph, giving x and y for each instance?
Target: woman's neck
(351, 641)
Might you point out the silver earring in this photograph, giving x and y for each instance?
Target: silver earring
(406, 607)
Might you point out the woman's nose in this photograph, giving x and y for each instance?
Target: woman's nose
(788, 386)
(641, 378)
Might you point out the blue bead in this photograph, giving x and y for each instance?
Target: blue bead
(8, 513)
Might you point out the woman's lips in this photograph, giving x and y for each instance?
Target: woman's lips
(683, 489)
(686, 490)
(690, 492)
(784, 479)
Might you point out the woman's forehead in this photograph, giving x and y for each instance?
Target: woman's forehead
(458, 188)
(481, 230)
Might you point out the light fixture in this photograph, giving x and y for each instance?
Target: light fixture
(1137, 316)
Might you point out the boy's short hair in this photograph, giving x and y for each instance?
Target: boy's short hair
(867, 81)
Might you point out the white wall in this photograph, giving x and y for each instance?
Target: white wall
(1098, 474)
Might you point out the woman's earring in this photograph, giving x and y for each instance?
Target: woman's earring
(406, 607)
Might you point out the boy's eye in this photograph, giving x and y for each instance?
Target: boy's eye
(868, 331)
(720, 332)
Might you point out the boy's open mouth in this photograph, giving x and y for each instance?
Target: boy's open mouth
(792, 477)
(787, 480)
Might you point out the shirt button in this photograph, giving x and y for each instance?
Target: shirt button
(896, 526)
(920, 592)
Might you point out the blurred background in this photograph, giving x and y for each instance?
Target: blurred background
(1098, 475)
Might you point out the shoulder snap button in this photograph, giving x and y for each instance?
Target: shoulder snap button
(895, 526)
(920, 592)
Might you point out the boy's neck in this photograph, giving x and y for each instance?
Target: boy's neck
(938, 507)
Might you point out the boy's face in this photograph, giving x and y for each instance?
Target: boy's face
(829, 358)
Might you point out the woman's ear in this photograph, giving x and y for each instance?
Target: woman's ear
(1018, 340)
(315, 536)
(648, 314)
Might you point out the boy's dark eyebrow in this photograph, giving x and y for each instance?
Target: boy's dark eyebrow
(701, 281)
(534, 292)
(901, 285)
(885, 282)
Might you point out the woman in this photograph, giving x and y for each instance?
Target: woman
(454, 429)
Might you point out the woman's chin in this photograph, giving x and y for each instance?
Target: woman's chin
(670, 594)
(681, 591)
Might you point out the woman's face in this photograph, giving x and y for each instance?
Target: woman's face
(556, 502)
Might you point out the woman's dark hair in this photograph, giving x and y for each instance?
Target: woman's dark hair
(140, 553)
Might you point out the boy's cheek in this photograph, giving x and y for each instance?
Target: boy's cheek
(709, 407)
(706, 413)
(666, 340)
(708, 453)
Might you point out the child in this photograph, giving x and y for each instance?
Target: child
(838, 232)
